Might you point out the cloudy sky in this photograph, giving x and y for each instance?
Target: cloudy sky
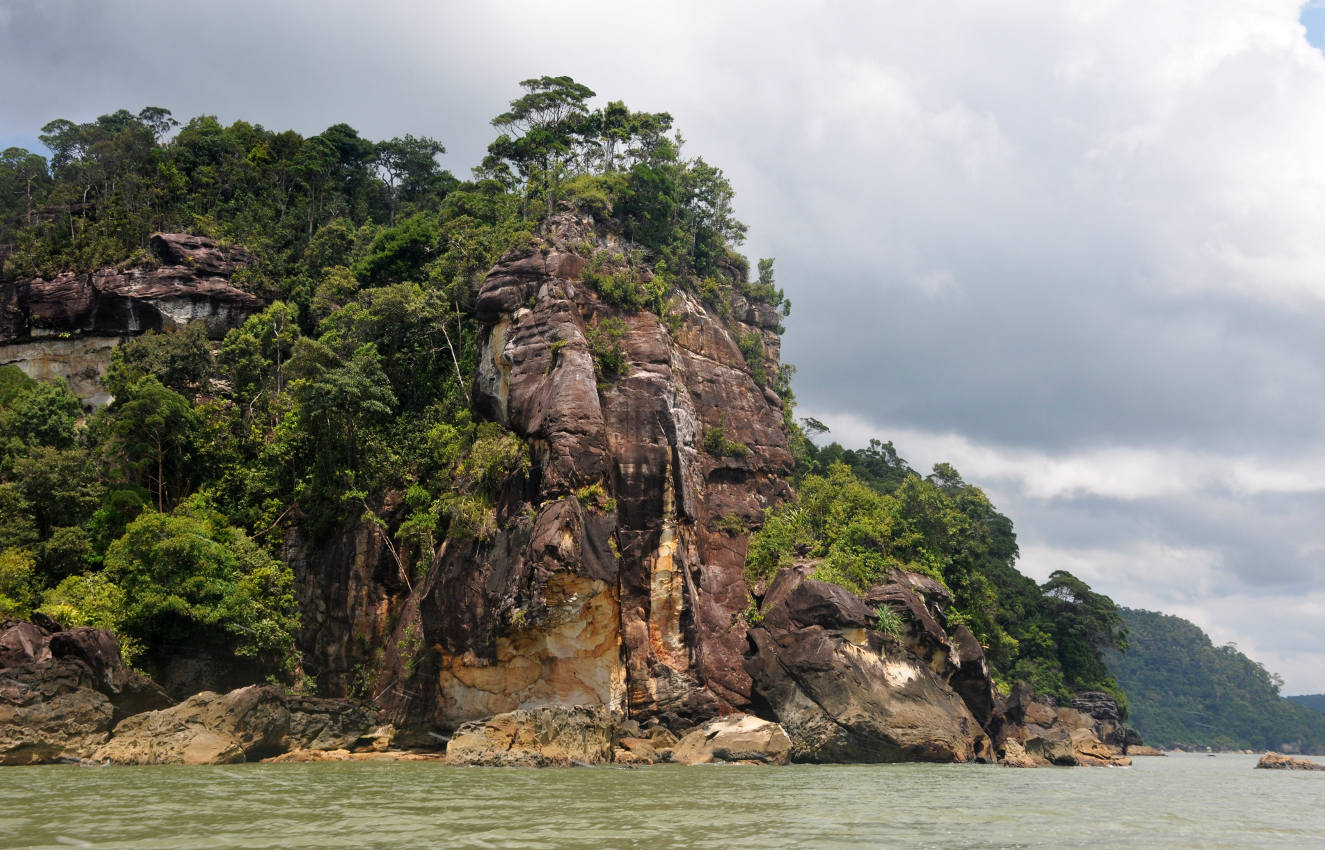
(1075, 247)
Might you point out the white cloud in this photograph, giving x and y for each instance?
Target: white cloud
(1119, 473)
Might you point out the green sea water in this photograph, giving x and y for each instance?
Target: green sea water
(1169, 802)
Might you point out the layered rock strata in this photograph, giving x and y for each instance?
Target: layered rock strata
(65, 327)
(61, 692)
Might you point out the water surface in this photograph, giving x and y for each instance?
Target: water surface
(1175, 801)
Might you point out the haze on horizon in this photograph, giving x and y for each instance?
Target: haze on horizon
(1071, 247)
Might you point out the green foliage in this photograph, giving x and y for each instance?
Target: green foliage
(868, 513)
(159, 514)
(717, 444)
(17, 583)
(604, 339)
(188, 577)
(888, 621)
(1185, 691)
(595, 496)
(179, 359)
(752, 349)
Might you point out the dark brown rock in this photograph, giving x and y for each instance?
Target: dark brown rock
(190, 283)
(631, 600)
(61, 692)
(846, 693)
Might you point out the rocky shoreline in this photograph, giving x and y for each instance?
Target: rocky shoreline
(66, 696)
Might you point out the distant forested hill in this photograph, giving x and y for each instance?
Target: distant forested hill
(1185, 691)
(1316, 701)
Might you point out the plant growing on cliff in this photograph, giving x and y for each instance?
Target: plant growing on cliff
(604, 338)
(717, 444)
(751, 344)
(188, 577)
(887, 621)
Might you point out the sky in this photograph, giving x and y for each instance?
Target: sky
(1073, 247)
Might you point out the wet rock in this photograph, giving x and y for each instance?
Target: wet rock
(1275, 761)
(845, 692)
(247, 724)
(737, 738)
(546, 736)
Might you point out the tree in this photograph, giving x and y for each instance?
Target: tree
(24, 183)
(409, 169)
(540, 135)
(189, 579)
(152, 432)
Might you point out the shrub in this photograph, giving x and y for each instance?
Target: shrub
(717, 444)
(609, 359)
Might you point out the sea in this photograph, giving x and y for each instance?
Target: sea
(1174, 801)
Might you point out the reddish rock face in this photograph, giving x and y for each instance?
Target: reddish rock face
(190, 284)
(631, 599)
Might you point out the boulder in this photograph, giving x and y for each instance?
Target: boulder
(546, 736)
(62, 691)
(737, 738)
(1275, 761)
(50, 711)
(246, 724)
(844, 692)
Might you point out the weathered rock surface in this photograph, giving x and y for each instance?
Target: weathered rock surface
(736, 738)
(547, 736)
(629, 600)
(1275, 761)
(66, 327)
(61, 692)
(191, 283)
(247, 724)
(1037, 734)
(845, 692)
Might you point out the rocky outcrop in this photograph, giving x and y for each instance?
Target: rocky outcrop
(66, 327)
(61, 692)
(247, 724)
(1037, 733)
(190, 282)
(1275, 761)
(548, 736)
(740, 738)
(614, 574)
(846, 692)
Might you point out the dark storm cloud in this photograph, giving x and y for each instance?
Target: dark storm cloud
(1074, 249)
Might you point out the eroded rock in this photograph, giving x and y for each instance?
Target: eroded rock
(737, 738)
(247, 724)
(546, 736)
(1275, 761)
(61, 692)
(845, 692)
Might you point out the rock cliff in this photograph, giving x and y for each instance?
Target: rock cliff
(66, 327)
(614, 576)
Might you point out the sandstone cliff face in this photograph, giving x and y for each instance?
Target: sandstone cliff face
(66, 327)
(630, 599)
